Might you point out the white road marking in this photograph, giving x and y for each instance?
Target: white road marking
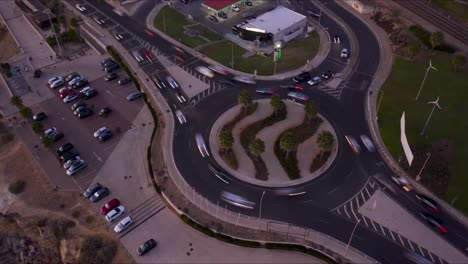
(109, 92)
(391, 233)
(411, 244)
(422, 252)
(346, 212)
(383, 231)
(97, 157)
(401, 240)
(430, 255)
(373, 225)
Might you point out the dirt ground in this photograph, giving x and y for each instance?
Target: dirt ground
(7, 45)
(40, 201)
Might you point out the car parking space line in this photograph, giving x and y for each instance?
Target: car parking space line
(411, 244)
(391, 234)
(97, 157)
(109, 92)
(401, 240)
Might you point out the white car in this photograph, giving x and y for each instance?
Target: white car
(315, 80)
(75, 80)
(180, 97)
(80, 7)
(235, 8)
(205, 71)
(353, 144)
(100, 131)
(181, 117)
(402, 182)
(368, 143)
(76, 167)
(69, 162)
(123, 224)
(54, 79)
(65, 89)
(117, 35)
(172, 82)
(86, 89)
(57, 83)
(70, 98)
(244, 79)
(218, 69)
(344, 53)
(115, 213)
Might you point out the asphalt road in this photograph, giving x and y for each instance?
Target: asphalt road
(346, 176)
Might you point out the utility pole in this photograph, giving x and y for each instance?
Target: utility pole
(55, 33)
(424, 80)
(436, 104)
(418, 177)
(351, 237)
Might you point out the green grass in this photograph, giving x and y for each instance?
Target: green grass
(174, 27)
(454, 7)
(295, 55)
(450, 123)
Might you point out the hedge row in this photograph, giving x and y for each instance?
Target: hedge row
(67, 36)
(425, 38)
(116, 57)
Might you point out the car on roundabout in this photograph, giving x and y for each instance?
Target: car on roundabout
(205, 71)
(400, 180)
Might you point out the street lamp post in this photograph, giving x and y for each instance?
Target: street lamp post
(55, 33)
(378, 105)
(418, 177)
(424, 80)
(351, 237)
(436, 104)
(260, 211)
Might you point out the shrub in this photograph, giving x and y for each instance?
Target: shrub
(425, 38)
(76, 214)
(6, 69)
(26, 112)
(17, 187)
(97, 249)
(37, 127)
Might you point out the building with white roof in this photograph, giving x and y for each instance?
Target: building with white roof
(279, 24)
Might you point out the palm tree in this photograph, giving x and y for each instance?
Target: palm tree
(244, 98)
(325, 141)
(16, 101)
(277, 103)
(436, 39)
(26, 112)
(288, 142)
(458, 61)
(257, 147)
(414, 49)
(37, 128)
(226, 139)
(310, 110)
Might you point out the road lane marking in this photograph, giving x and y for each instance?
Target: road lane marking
(109, 92)
(97, 157)
(441, 260)
(432, 258)
(383, 231)
(357, 202)
(391, 233)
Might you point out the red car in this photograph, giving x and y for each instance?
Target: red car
(296, 86)
(66, 93)
(151, 34)
(149, 55)
(109, 206)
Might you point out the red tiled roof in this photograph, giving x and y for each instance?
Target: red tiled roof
(219, 4)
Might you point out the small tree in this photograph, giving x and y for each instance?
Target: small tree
(16, 101)
(310, 110)
(414, 49)
(325, 140)
(257, 147)
(244, 98)
(458, 61)
(26, 112)
(226, 139)
(37, 127)
(288, 142)
(436, 39)
(62, 21)
(277, 103)
(74, 22)
(47, 141)
(56, 29)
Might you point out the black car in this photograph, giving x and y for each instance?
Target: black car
(64, 149)
(40, 116)
(80, 83)
(133, 96)
(99, 194)
(158, 82)
(92, 189)
(111, 77)
(104, 112)
(111, 68)
(89, 94)
(105, 136)
(124, 81)
(37, 74)
(302, 77)
(76, 105)
(213, 18)
(85, 113)
(71, 76)
(222, 15)
(147, 246)
(69, 155)
(327, 75)
(106, 61)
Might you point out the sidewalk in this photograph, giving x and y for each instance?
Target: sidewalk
(317, 60)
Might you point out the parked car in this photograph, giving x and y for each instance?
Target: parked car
(79, 109)
(117, 36)
(37, 74)
(76, 167)
(69, 155)
(235, 8)
(99, 194)
(344, 53)
(146, 247)
(327, 75)
(115, 213)
(105, 136)
(124, 81)
(71, 76)
(315, 80)
(105, 61)
(133, 96)
(89, 94)
(92, 189)
(111, 68)
(64, 148)
(70, 98)
(76, 105)
(123, 224)
(111, 76)
(181, 117)
(172, 82)
(104, 112)
(222, 15)
(100, 131)
(428, 202)
(268, 90)
(302, 77)
(39, 116)
(66, 93)
(80, 7)
(108, 64)
(80, 83)
(109, 206)
(70, 162)
(57, 83)
(213, 18)
(63, 89)
(53, 133)
(353, 144)
(54, 79)
(75, 80)
(434, 222)
(85, 113)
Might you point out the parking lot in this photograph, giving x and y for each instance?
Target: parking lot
(79, 132)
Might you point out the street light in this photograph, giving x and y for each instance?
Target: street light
(260, 212)
(424, 80)
(352, 234)
(418, 177)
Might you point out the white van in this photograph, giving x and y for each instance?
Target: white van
(201, 145)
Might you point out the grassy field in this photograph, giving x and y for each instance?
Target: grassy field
(174, 27)
(295, 55)
(453, 6)
(447, 125)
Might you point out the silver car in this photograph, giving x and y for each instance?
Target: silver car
(76, 167)
(368, 143)
(181, 117)
(172, 82)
